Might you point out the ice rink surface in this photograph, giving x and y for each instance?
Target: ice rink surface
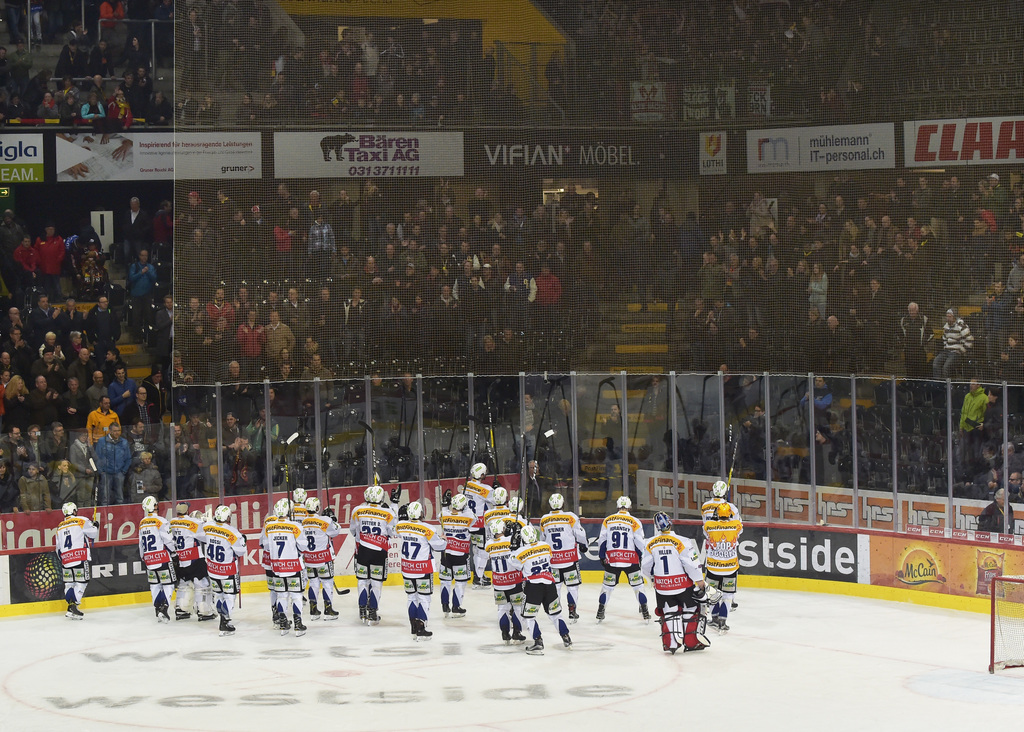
(793, 661)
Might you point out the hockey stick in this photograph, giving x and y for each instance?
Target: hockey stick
(373, 450)
(341, 590)
(732, 464)
(95, 489)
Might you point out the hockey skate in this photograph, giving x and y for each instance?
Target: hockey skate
(567, 641)
(201, 617)
(421, 631)
(329, 612)
(362, 614)
(733, 605)
(645, 613)
(573, 615)
(458, 613)
(372, 618)
(446, 609)
(720, 625)
(73, 612)
(300, 629)
(161, 614)
(600, 612)
(506, 637)
(518, 638)
(536, 648)
(283, 624)
(180, 614)
(226, 628)
(314, 610)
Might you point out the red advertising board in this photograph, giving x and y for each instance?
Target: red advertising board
(970, 141)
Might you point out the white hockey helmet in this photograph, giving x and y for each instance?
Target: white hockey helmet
(500, 495)
(415, 511)
(313, 504)
(515, 505)
(496, 527)
(299, 495)
(459, 502)
(623, 502)
(374, 494)
(197, 515)
(556, 501)
(529, 535)
(149, 504)
(69, 509)
(720, 489)
(282, 508)
(222, 514)
(478, 471)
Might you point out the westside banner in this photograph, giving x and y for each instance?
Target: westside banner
(968, 141)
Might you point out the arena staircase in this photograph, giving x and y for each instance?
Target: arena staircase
(633, 338)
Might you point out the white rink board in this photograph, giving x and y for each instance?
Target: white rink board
(791, 661)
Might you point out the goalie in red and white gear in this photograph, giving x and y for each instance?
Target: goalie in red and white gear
(456, 519)
(721, 543)
(156, 548)
(672, 563)
(193, 579)
(481, 498)
(319, 530)
(285, 541)
(619, 546)
(73, 536)
(564, 532)
(224, 545)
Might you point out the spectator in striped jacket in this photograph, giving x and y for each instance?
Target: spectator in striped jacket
(956, 340)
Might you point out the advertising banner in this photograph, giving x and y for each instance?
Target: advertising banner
(368, 153)
(557, 151)
(971, 141)
(944, 567)
(760, 99)
(647, 101)
(836, 147)
(36, 576)
(21, 159)
(90, 157)
(695, 102)
(805, 553)
(713, 153)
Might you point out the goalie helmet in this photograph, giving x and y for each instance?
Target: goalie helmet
(724, 512)
(720, 489)
(556, 501)
(374, 494)
(515, 505)
(222, 514)
(282, 508)
(459, 502)
(415, 511)
(313, 504)
(478, 471)
(299, 496)
(623, 502)
(500, 496)
(149, 504)
(69, 509)
(662, 522)
(529, 535)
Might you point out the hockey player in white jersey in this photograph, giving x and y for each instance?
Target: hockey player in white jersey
(456, 519)
(372, 526)
(193, 580)
(265, 563)
(156, 547)
(507, 583)
(284, 539)
(619, 546)
(319, 530)
(74, 534)
(709, 512)
(481, 498)
(418, 544)
(672, 562)
(533, 559)
(564, 532)
(224, 545)
(299, 510)
(499, 510)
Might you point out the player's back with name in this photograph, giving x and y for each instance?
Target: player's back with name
(563, 531)
(155, 541)
(373, 525)
(456, 527)
(623, 538)
(223, 543)
(72, 538)
(318, 532)
(721, 545)
(418, 539)
(284, 541)
(672, 562)
(187, 534)
(534, 561)
(503, 576)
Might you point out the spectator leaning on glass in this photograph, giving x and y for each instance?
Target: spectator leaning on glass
(991, 518)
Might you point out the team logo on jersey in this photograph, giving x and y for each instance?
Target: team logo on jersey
(919, 567)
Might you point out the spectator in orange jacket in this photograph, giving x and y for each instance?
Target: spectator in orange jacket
(50, 253)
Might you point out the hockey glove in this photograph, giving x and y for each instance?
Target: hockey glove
(600, 553)
(396, 494)
(446, 499)
(582, 549)
(403, 512)
(329, 513)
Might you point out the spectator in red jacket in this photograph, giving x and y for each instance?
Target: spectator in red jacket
(251, 340)
(549, 295)
(50, 253)
(219, 308)
(28, 265)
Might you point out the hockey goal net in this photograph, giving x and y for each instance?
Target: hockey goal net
(1007, 638)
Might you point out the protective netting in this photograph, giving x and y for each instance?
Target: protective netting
(433, 197)
(1007, 623)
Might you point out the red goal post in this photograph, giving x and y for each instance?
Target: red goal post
(1006, 641)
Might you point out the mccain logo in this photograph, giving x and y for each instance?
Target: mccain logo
(919, 567)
